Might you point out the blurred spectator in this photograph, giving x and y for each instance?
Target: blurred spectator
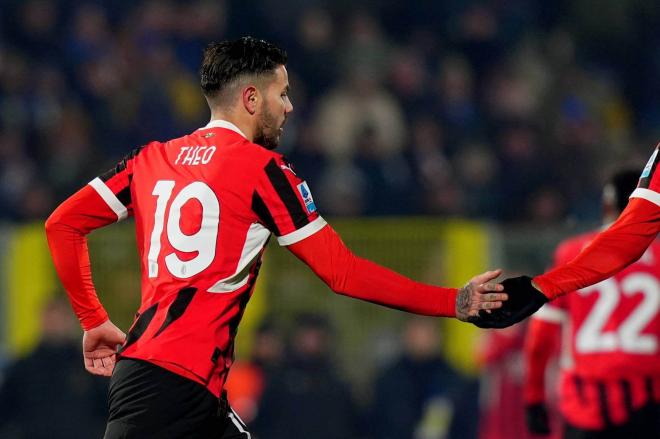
(420, 396)
(48, 395)
(305, 398)
(530, 82)
(245, 384)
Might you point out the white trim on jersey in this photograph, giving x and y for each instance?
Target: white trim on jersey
(549, 313)
(219, 123)
(646, 194)
(302, 233)
(234, 418)
(110, 198)
(238, 417)
(256, 238)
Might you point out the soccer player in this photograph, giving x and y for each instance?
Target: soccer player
(610, 355)
(205, 205)
(611, 251)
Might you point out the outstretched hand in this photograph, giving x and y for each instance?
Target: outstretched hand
(478, 295)
(100, 348)
(524, 300)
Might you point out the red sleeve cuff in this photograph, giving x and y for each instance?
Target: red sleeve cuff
(93, 319)
(549, 290)
(449, 305)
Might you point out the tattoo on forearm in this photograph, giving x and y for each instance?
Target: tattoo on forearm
(463, 302)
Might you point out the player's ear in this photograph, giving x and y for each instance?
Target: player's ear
(251, 99)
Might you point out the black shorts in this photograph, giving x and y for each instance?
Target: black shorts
(147, 401)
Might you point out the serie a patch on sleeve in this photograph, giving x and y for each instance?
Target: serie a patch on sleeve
(307, 197)
(649, 166)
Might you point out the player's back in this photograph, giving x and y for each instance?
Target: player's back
(610, 354)
(204, 205)
(192, 205)
(615, 324)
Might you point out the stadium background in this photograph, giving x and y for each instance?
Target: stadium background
(440, 138)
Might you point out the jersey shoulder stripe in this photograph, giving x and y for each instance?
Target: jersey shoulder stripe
(122, 165)
(261, 209)
(117, 206)
(287, 195)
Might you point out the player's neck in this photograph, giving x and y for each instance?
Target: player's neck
(244, 125)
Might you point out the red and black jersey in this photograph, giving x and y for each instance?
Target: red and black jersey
(610, 345)
(204, 205)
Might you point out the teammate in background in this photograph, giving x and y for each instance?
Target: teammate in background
(610, 355)
(609, 252)
(205, 206)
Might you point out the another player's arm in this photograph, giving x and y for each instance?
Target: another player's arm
(610, 252)
(541, 341)
(617, 247)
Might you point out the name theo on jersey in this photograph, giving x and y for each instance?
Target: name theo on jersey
(195, 155)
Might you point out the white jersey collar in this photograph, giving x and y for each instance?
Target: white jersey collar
(219, 123)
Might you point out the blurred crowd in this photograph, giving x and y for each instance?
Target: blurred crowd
(509, 110)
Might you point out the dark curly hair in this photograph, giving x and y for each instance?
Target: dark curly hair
(623, 183)
(228, 61)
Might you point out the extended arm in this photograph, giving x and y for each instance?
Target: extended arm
(610, 252)
(350, 275)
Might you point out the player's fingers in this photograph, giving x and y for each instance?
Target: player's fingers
(110, 364)
(485, 277)
(98, 363)
(490, 305)
(94, 370)
(489, 287)
(494, 297)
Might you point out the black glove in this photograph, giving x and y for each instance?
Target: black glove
(536, 416)
(524, 300)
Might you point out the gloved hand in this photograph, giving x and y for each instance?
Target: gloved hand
(536, 417)
(524, 300)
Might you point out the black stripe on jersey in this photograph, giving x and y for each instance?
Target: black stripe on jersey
(646, 181)
(242, 304)
(286, 194)
(579, 388)
(139, 326)
(245, 297)
(121, 165)
(260, 208)
(648, 384)
(177, 308)
(124, 196)
(217, 353)
(627, 396)
(602, 403)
